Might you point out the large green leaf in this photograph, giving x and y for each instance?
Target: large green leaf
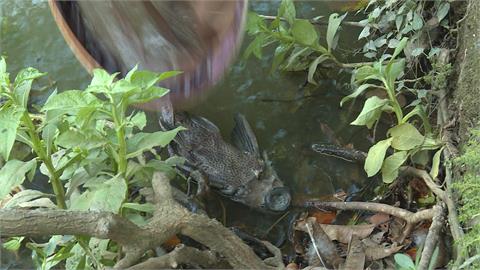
(356, 93)
(287, 11)
(371, 112)
(366, 73)
(72, 101)
(304, 32)
(391, 165)
(255, 24)
(9, 122)
(141, 142)
(12, 174)
(334, 22)
(436, 163)
(279, 55)
(405, 137)
(23, 84)
(375, 157)
(101, 195)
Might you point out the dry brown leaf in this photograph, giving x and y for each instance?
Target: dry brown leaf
(380, 252)
(343, 233)
(356, 255)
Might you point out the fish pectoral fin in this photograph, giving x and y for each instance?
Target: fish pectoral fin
(243, 136)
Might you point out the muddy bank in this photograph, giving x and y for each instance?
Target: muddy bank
(466, 95)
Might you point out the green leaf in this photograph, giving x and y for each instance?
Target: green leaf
(144, 207)
(13, 244)
(375, 156)
(404, 261)
(394, 70)
(366, 73)
(365, 32)
(130, 73)
(405, 137)
(334, 22)
(9, 123)
(23, 84)
(102, 78)
(417, 23)
(168, 74)
(313, 67)
(391, 165)
(279, 55)
(371, 112)
(23, 196)
(12, 174)
(287, 11)
(255, 24)
(109, 195)
(144, 78)
(101, 195)
(71, 101)
(436, 163)
(139, 120)
(48, 135)
(356, 93)
(147, 95)
(304, 32)
(141, 142)
(442, 11)
(255, 47)
(401, 45)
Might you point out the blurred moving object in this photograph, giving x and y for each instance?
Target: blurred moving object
(199, 38)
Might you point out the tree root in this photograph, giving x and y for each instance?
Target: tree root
(431, 242)
(445, 196)
(169, 219)
(411, 218)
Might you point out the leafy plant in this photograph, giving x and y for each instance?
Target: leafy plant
(298, 43)
(403, 137)
(85, 141)
(396, 25)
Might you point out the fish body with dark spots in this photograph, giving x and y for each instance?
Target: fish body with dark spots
(239, 172)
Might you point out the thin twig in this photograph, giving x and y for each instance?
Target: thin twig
(317, 22)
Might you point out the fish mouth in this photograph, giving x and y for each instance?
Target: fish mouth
(278, 199)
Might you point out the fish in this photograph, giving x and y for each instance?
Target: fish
(236, 170)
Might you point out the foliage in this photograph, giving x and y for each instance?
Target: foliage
(405, 262)
(87, 142)
(298, 42)
(394, 28)
(469, 188)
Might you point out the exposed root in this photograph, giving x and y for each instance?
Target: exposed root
(431, 242)
(410, 217)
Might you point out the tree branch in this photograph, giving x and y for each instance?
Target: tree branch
(169, 219)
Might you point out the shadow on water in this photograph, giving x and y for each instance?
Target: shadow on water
(287, 116)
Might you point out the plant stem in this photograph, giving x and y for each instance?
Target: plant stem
(122, 144)
(42, 155)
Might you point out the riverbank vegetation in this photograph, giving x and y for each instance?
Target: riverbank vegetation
(105, 210)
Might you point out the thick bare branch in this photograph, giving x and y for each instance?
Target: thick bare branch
(180, 255)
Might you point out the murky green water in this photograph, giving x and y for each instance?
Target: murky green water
(286, 124)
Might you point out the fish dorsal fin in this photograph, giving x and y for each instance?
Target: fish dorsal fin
(203, 122)
(243, 136)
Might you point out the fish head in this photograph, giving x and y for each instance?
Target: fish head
(266, 192)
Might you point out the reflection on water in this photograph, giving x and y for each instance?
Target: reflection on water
(285, 123)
